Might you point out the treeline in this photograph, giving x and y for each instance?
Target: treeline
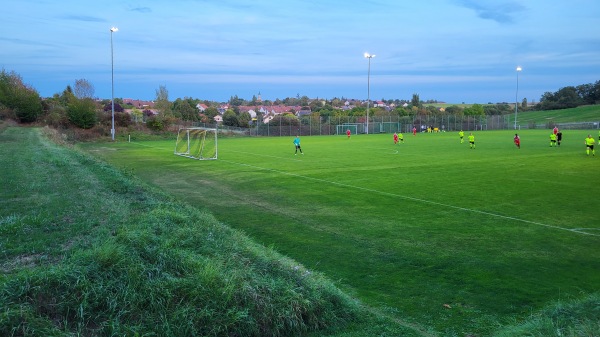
(76, 108)
(570, 97)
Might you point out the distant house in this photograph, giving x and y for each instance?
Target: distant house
(138, 103)
(303, 112)
(201, 107)
(218, 119)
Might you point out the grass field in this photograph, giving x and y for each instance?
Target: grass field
(451, 240)
(588, 113)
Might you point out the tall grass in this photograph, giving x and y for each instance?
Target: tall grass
(87, 250)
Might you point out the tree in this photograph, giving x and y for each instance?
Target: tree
(454, 110)
(230, 118)
(415, 101)
(137, 114)
(83, 89)
(185, 110)
(162, 103)
(474, 110)
(524, 105)
(82, 113)
(109, 107)
(23, 102)
(244, 119)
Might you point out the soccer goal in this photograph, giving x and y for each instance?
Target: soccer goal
(197, 143)
(341, 128)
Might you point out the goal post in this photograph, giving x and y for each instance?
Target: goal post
(197, 143)
(342, 128)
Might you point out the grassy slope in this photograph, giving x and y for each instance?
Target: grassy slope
(589, 113)
(86, 250)
(378, 220)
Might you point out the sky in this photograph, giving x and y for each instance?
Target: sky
(452, 51)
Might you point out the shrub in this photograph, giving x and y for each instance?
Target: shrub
(82, 113)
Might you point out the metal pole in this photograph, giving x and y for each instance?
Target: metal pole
(112, 80)
(368, 92)
(517, 97)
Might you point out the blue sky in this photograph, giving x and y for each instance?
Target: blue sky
(450, 50)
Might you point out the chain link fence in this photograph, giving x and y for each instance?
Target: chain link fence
(334, 125)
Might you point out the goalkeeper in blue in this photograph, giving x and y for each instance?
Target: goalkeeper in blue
(297, 145)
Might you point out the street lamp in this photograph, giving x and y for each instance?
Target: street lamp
(517, 96)
(369, 56)
(112, 80)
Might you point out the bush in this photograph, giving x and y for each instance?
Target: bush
(82, 113)
(155, 123)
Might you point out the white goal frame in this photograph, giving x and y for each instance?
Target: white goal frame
(341, 128)
(197, 143)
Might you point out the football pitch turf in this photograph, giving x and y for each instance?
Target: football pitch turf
(451, 239)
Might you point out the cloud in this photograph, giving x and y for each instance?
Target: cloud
(501, 12)
(141, 9)
(82, 18)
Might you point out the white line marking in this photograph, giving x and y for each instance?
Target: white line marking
(574, 230)
(265, 155)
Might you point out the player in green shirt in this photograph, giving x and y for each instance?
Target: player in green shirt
(552, 139)
(471, 140)
(461, 134)
(589, 145)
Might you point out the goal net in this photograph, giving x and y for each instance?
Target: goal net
(342, 128)
(197, 143)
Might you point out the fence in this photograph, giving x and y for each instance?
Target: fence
(328, 125)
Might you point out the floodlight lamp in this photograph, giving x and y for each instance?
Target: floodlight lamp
(519, 69)
(114, 29)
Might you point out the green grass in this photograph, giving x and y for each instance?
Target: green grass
(87, 250)
(588, 113)
(447, 240)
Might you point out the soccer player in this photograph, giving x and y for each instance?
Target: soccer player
(471, 140)
(461, 134)
(558, 138)
(555, 130)
(517, 140)
(589, 145)
(297, 145)
(401, 137)
(414, 130)
(552, 139)
(395, 138)
(348, 133)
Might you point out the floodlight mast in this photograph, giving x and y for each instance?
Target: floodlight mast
(517, 96)
(368, 56)
(112, 81)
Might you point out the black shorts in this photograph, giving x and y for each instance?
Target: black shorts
(591, 147)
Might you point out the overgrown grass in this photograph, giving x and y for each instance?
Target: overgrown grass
(88, 251)
(443, 238)
(579, 318)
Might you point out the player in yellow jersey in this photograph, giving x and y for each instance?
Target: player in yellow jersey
(471, 140)
(461, 134)
(589, 145)
(552, 139)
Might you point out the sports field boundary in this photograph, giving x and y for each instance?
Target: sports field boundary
(573, 230)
